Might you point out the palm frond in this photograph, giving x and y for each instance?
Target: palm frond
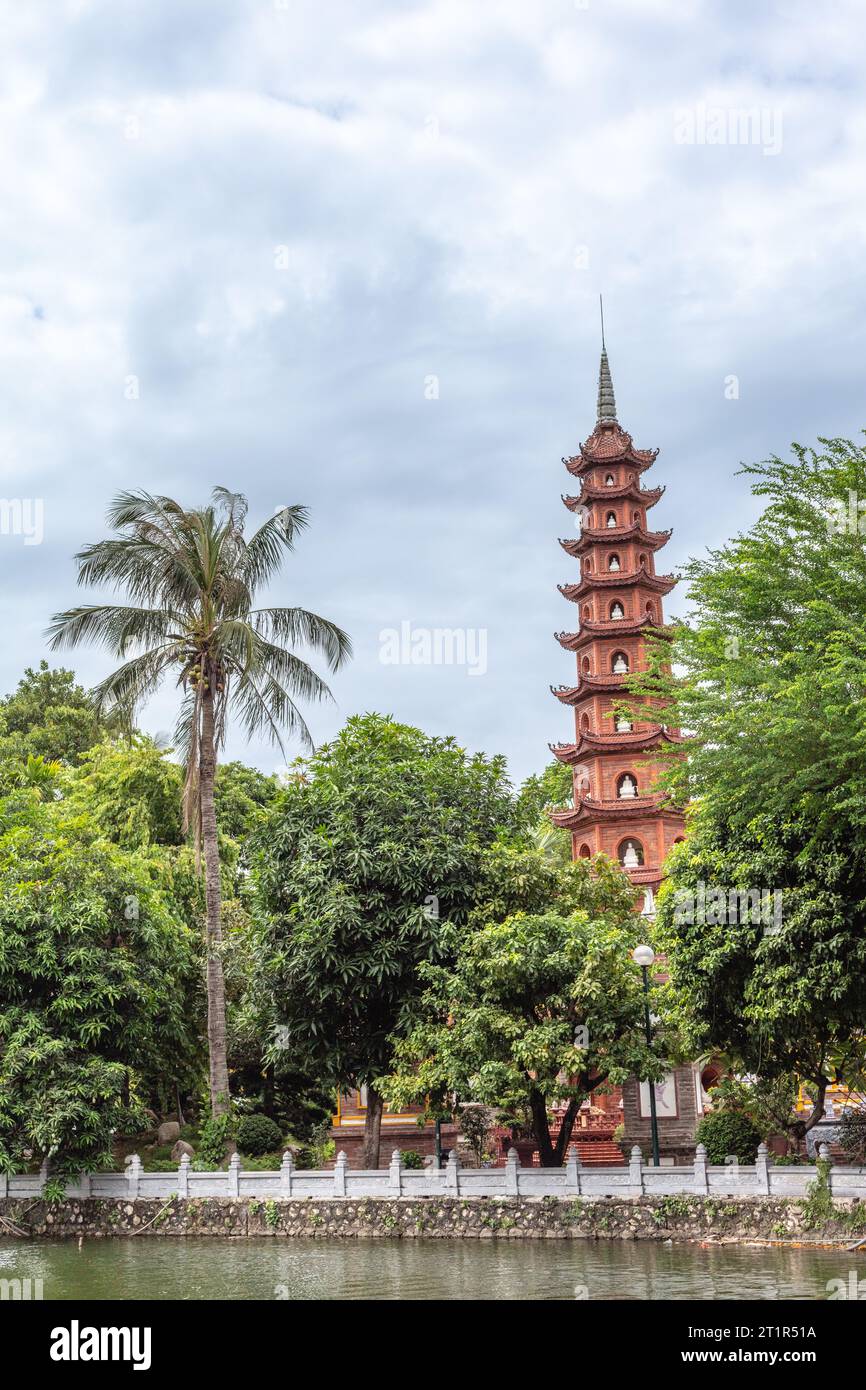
(127, 687)
(299, 625)
(264, 707)
(289, 670)
(112, 624)
(263, 552)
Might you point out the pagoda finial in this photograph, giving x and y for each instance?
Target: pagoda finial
(606, 399)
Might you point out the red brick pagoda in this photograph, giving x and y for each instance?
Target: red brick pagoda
(619, 596)
(614, 759)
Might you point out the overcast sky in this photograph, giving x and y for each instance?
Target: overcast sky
(350, 255)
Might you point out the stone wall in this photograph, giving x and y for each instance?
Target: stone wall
(676, 1135)
(676, 1218)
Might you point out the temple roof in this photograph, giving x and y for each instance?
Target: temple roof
(608, 535)
(657, 583)
(609, 443)
(596, 492)
(589, 810)
(588, 685)
(611, 627)
(612, 742)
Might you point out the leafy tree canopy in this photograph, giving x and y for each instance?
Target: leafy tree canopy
(132, 790)
(100, 993)
(539, 1007)
(363, 860)
(50, 716)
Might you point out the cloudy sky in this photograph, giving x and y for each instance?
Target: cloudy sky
(350, 255)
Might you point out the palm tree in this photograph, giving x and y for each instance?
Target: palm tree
(191, 578)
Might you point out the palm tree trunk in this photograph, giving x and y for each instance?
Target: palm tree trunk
(216, 995)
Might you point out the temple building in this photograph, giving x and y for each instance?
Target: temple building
(616, 809)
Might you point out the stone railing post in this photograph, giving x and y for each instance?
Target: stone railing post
(133, 1174)
(183, 1176)
(762, 1171)
(572, 1173)
(452, 1174)
(824, 1155)
(635, 1170)
(340, 1167)
(84, 1184)
(512, 1174)
(395, 1174)
(287, 1168)
(44, 1170)
(234, 1173)
(702, 1186)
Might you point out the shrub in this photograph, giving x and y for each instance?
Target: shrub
(214, 1136)
(851, 1135)
(257, 1134)
(411, 1159)
(726, 1133)
(265, 1163)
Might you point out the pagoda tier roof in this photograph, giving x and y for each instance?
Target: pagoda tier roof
(612, 742)
(592, 492)
(614, 535)
(609, 443)
(589, 583)
(590, 810)
(589, 685)
(612, 627)
(644, 875)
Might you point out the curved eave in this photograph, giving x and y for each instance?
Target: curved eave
(590, 811)
(589, 685)
(590, 493)
(613, 627)
(614, 535)
(613, 742)
(656, 583)
(582, 463)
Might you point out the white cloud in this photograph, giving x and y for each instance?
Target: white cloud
(432, 170)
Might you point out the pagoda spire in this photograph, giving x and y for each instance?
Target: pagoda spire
(606, 399)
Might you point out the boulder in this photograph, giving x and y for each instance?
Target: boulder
(181, 1148)
(168, 1132)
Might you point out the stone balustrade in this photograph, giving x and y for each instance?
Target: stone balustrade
(638, 1179)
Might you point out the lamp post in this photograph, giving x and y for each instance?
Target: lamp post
(644, 957)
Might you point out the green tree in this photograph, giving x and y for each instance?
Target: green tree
(99, 991)
(50, 716)
(132, 790)
(777, 988)
(771, 664)
(537, 1008)
(364, 859)
(770, 670)
(191, 576)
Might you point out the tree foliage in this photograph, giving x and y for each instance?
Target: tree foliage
(770, 672)
(363, 861)
(532, 1007)
(100, 992)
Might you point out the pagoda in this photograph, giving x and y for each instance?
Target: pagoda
(618, 595)
(615, 757)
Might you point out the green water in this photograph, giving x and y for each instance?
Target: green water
(189, 1268)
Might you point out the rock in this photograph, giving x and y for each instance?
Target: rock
(181, 1148)
(168, 1132)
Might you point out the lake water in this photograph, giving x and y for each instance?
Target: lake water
(191, 1268)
